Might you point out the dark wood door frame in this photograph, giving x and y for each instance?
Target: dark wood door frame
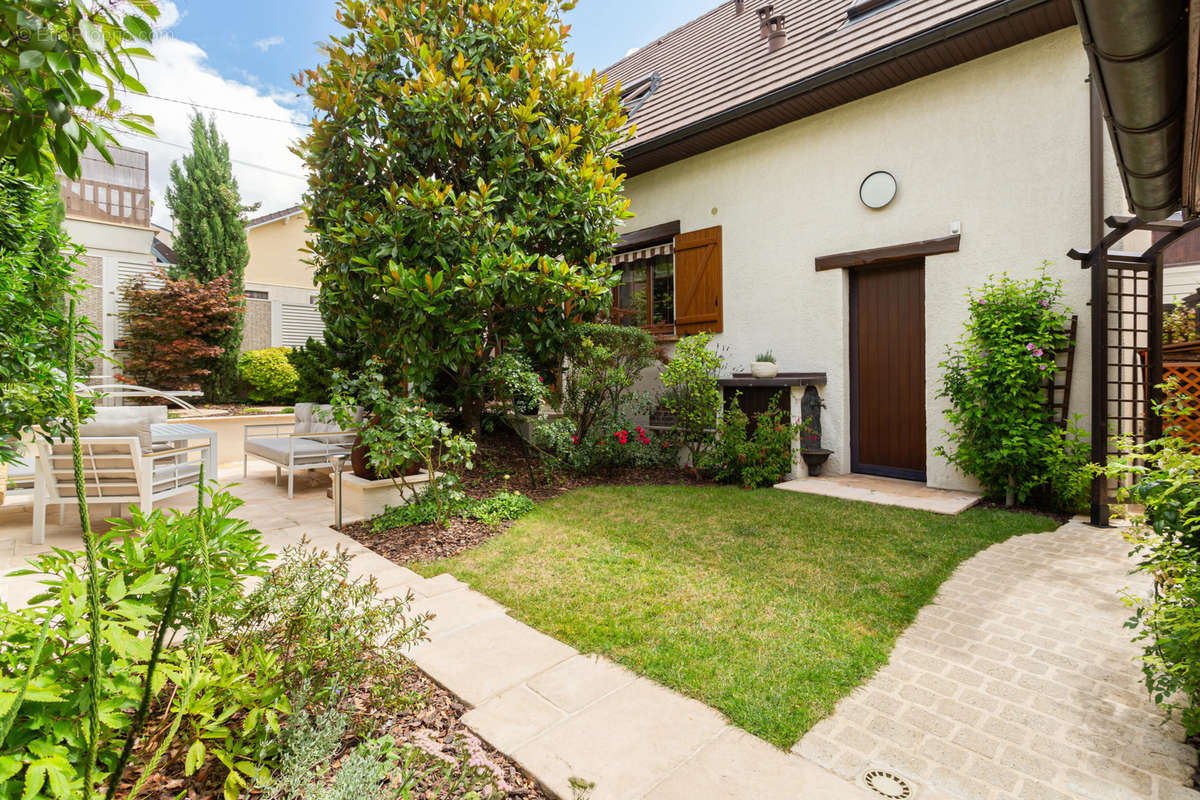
(856, 464)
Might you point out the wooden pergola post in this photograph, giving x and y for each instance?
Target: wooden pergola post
(1096, 261)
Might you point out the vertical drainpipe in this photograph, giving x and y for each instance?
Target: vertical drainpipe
(1096, 155)
(1099, 510)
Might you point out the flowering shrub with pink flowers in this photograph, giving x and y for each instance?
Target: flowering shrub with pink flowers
(1002, 430)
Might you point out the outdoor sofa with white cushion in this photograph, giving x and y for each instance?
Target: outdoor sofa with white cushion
(121, 465)
(306, 444)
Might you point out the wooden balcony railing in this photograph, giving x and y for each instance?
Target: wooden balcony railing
(107, 202)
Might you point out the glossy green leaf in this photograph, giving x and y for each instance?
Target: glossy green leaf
(31, 60)
(138, 27)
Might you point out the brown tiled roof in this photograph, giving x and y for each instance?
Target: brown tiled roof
(717, 70)
(274, 215)
(165, 251)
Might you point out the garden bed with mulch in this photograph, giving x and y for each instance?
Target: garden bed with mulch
(500, 465)
(431, 721)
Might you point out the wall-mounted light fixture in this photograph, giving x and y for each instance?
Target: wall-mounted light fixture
(877, 189)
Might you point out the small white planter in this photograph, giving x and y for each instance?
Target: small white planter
(363, 499)
(764, 369)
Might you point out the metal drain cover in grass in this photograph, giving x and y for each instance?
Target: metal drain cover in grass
(889, 784)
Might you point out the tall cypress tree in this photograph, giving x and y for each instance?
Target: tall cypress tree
(210, 238)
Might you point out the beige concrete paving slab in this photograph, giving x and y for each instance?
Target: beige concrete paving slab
(738, 766)
(396, 577)
(453, 611)
(483, 660)
(580, 681)
(626, 743)
(440, 584)
(512, 718)
(884, 491)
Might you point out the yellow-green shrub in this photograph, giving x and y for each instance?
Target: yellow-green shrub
(269, 374)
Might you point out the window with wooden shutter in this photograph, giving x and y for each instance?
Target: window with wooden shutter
(698, 281)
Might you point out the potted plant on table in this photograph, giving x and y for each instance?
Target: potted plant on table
(764, 365)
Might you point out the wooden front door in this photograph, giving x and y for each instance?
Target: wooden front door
(887, 370)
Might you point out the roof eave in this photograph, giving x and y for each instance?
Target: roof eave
(1138, 50)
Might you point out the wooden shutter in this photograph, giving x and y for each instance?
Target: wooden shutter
(698, 281)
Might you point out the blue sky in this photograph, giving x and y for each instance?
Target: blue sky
(234, 59)
(270, 40)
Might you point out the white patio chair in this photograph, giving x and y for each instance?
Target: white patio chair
(116, 470)
(306, 444)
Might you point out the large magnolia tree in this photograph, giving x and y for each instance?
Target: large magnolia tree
(464, 192)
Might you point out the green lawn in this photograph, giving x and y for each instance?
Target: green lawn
(767, 605)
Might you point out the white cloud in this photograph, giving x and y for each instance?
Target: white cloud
(267, 43)
(266, 171)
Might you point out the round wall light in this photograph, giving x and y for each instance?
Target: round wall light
(877, 189)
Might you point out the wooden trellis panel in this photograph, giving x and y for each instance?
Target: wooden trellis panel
(1188, 376)
(1059, 392)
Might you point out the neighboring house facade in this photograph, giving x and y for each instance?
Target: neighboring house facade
(108, 214)
(756, 131)
(281, 309)
(1181, 273)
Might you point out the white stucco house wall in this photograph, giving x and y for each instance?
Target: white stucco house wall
(108, 213)
(761, 130)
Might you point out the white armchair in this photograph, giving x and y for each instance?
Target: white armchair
(307, 444)
(116, 470)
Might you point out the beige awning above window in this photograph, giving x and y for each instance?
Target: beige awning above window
(664, 249)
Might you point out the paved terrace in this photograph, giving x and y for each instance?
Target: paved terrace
(1017, 682)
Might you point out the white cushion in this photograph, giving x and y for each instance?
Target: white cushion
(125, 421)
(312, 418)
(306, 451)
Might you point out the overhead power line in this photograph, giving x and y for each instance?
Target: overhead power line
(220, 110)
(185, 147)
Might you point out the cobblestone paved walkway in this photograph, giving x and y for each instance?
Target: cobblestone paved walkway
(1017, 682)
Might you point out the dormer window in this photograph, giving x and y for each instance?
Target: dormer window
(861, 8)
(638, 92)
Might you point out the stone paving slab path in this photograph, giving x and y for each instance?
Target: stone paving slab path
(1018, 681)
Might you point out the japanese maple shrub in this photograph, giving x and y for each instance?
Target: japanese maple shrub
(1003, 432)
(463, 190)
(169, 330)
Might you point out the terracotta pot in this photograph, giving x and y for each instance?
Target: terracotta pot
(358, 460)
